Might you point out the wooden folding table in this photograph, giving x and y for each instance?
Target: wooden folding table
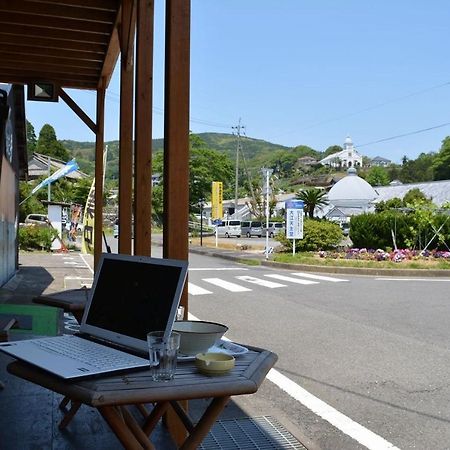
(112, 395)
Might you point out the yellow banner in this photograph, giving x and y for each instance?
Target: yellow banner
(87, 244)
(216, 200)
(88, 222)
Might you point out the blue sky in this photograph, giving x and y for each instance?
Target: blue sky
(302, 72)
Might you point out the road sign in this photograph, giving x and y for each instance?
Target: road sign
(294, 219)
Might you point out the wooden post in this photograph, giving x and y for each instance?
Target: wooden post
(99, 170)
(143, 128)
(176, 151)
(126, 36)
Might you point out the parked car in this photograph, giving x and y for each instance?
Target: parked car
(40, 220)
(251, 228)
(275, 228)
(116, 229)
(345, 227)
(228, 228)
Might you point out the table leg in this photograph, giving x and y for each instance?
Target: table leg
(68, 415)
(136, 429)
(153, 418)
(205, 423)
(114, 419)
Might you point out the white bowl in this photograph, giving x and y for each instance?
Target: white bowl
(198, 336)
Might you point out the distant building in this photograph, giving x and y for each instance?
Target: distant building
(307, 161)
(38, 167)
(437, 191)
(348, 157)
(350, 196)
(379, 161)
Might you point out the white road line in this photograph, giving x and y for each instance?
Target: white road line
(433, 280)
(87, 264)
(318, 277)
(348, 426)
(292, 280)
(71, 263)
(340, 421)
(232, 287)
(193, 289)
(191, 269)
(260, 282)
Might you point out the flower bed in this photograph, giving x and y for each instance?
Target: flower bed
(381, 255)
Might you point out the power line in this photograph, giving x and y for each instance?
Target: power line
(160, 111)
(403, 135)
(369, 108)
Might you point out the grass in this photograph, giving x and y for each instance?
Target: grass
(311, 259)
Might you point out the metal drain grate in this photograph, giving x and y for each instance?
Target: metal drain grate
(250, 433)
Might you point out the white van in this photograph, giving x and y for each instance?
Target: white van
(251, 228)
(228, 228)
(274, 228)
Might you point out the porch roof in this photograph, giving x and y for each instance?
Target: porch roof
(71, 43)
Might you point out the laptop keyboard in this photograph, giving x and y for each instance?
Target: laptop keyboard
(88, 352)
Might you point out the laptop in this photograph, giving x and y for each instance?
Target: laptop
(130, 296)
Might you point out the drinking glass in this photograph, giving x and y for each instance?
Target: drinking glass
(163, 354)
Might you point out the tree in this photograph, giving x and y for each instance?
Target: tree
(377, 176)
(441, 164)
(312, 198)
(205, 166)
(415, 196)
(31, 139)
(47, 144)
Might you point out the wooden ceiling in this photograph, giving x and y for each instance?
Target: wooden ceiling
(71, 43)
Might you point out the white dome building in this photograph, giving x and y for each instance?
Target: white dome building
(350, 196)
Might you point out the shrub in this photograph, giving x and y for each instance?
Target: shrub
(317, 235)
(33, 237)
(413, 230)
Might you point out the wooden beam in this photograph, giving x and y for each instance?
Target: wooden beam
(176, 129)
(143, 128)
(176, 151)
(49, 23)
(30, 45)
(57, 10)
(30, 30)
(78, 111)
(99, 171)
(15, 77)
(126, 130)
(111, 57)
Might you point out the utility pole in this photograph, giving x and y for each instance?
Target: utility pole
(237, 129)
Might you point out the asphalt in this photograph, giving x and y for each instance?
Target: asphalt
(44, 273)
(40, 274)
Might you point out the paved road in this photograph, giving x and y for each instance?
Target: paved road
(369, 355)
(374, 349)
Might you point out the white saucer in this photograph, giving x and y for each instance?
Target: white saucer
(223, 346)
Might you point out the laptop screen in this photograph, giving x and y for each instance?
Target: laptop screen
(133, 295)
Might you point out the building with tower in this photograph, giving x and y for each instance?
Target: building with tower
(348, 157)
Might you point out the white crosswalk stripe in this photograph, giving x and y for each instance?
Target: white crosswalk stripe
(277, 281)
(226, 285)
(260, 282)
(290, 279)
(318, 277)
(193, 289)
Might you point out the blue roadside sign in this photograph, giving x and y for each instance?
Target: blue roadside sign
(294, 219)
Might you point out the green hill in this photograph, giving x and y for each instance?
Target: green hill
(255, 151)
